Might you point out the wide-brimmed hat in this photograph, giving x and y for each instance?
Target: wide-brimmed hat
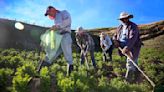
(79, 29)
(125, 15)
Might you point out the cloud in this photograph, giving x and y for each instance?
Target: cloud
(83, 12)
(29, 11)
(34, 10)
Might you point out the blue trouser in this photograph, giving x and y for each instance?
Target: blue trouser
(92, 57)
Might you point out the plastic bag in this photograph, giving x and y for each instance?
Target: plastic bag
(51, 41)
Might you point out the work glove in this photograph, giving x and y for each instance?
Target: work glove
(85, 53)
(103, 50)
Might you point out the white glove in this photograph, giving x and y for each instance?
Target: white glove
(103, 50)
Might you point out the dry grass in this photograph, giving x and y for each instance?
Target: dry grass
(156, 43)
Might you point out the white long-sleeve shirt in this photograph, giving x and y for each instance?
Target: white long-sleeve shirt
(63, 21)
(106, 42)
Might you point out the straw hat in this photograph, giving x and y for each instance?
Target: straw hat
(125, 15)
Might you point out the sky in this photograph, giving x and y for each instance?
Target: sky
(86, 13)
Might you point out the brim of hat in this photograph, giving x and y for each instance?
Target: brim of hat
(130, 16)
(45, 14)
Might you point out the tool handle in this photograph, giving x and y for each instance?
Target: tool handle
(130, 57)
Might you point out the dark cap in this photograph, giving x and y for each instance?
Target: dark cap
(48, 8)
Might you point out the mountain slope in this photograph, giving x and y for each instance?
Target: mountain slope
(147, 31)
(29, 38)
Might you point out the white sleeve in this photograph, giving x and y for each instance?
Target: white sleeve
(105, 44)
(107, 47)
(65, 21)
(109, 41)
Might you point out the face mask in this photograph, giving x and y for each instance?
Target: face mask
(52, 18)
(124, 24)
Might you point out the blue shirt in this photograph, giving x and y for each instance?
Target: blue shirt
(123, 36)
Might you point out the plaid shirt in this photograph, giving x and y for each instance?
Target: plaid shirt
(83, 40)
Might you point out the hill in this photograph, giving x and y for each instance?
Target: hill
(147, 31)
(29, 38)
(17, 66)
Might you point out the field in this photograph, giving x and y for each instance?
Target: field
(17, 67)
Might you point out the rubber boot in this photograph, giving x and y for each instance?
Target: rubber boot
(69, 69)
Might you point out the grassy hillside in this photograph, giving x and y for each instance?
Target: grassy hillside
(18, 66)
(147, 31)
(30, 38)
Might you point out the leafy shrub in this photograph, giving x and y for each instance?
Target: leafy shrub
(45, 80)
(11, 61)
(15, 62)
(104, 85)
(81, 80)
(5, 52)
(5, 78)
(20, 83)
(120, 85)
(66, 84)
(22, 78)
